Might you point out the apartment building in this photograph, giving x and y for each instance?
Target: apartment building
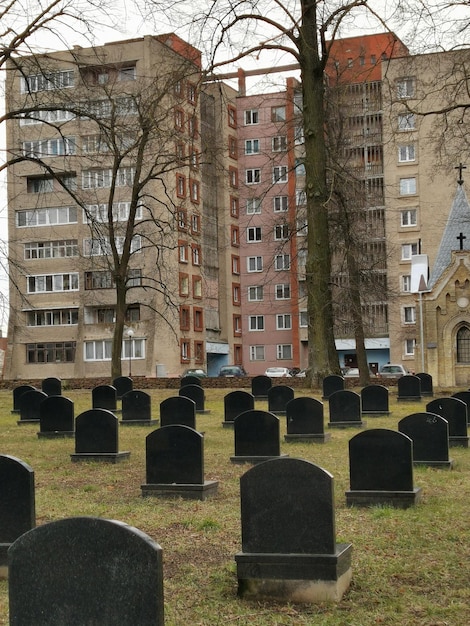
(106, 137)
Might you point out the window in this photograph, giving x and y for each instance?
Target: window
(303, 319)
(39, 184)
(255, 294)
(179, 119)
(235, 264)
(463, 345)
(182, 219)
(252, 146)
(299, 167)
(194, 190)
(407, 186)
(254, 264)
(279, 144)
(256, 353)
(280, 174)
(237, 325)
(284, 321)
(284, 351)
(103, 178)
(281, 232)
(253, 234)
(299, 137)
(278, 114)
(185, 317)
(235, 235)
(406, 121)
(127, 73)
(191, 93)
(233, 177)
(236, 299)
(199, 352)
(409, 314)
(47, 283)
(406, 153)
(61, 352)
(234, 206)
(408, 250)
(52, 317)
(51, 249)
(251, 117)
(195, 254)
(192, 126)
(195, 224)
(197, 287)
(232, 116)
(37, 117)
(253, 206)
(185, 350)
(102, 246)
(98, 280)
(183, 251)
(408, 217)
(183, 284)
(194, 159)
(282, 262)
(256, 322)
(180, 186)
(47, 81)
(180, 151)
(406, 283)
(282, 291)
(98, 213)
(62, 146)
(405, 88)
(281, 204)
(134, 278)
(302, 225)
(252, 176)
(410, 347)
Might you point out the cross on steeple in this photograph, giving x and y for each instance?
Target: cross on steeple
(461, 238)
(460, 167)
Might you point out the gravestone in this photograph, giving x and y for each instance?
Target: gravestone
(430, 435)
(278, 397)
(374, 400)
(196, 393)
(305, 420)
(122, 384)
(190, 380)
(256, 437)
(409, 388)
(56, 418)
(455, 412)
(331, 384)
(136, 409)
(381, 470)
(178, 410)
(17, 504)
(260, 385)
(426, 384)
(52, 386)
(104, 397)
(465, 397)
(86, 570)
(17, 393)
(236, 402)
(345, 409)
(96, 437)
(175, 464)
(289, 550)
(29, 406)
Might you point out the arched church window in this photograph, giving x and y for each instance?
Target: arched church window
(463, 345)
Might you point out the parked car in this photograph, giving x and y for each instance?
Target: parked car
(199, 372)
(393, 370)
(351, 372)
(230, 371)
(278, 372)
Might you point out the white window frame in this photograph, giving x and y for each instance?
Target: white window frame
(252, 146)
(251, 117)
(405, 281)
(408, 186)
(52, 216)
(284, 352)
(281, 204)
(279, 143)
(281, 232)
(51, 283)
(282, 262)
(254, 234)
(409, 346)
(253, 206)
(257, 353)
(406, 122)
(280, 174)
(409, 217)
(407, 153)
(303, 318)
(280, 291)
(406, 87)
(255, 323)
(283, 321)
(253, 176)
(409, 315)
(254, 264)
(255, 293)
(408, 250)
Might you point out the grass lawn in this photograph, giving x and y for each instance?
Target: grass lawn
(410, 567)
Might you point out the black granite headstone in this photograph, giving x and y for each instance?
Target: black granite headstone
(52, 386)
(29, 406)
(260, 385)
(455, 411)
(237, 402)
(190, 380)
(305, 420)
(17, 504)
(430, 435)
(278, 397)
(104, 397)
(409, 388)
(332, 383)
(374, 400)
(178, 410)
(122, 384)
(256, 437)
(17, 393)
(345, 409)
(96, 437)
(86, 570)
(381, 469)
(196, 393)
(136, 408)
(56, 417)
(426, 383)
(465, 397)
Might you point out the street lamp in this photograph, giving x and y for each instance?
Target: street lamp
(130, 334)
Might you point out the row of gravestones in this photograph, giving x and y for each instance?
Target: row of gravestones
(410, 387)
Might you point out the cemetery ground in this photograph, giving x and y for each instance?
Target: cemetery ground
(410, 567)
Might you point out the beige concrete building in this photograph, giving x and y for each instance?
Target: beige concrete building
(107, 137)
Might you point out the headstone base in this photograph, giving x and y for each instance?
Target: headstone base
(458, 442)
(395, 499)
(375, 413)
(228, 424)
(203, 411)
(347, 424)
(186, 491)
(138, 422)
(56, 434)
(255, 459)
(20, 422)
(307, 438)
(100, 457)
(297, 578)
(438, 464)
(409, 398)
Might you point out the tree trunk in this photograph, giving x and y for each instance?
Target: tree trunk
(121, 306)
(356, 314)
